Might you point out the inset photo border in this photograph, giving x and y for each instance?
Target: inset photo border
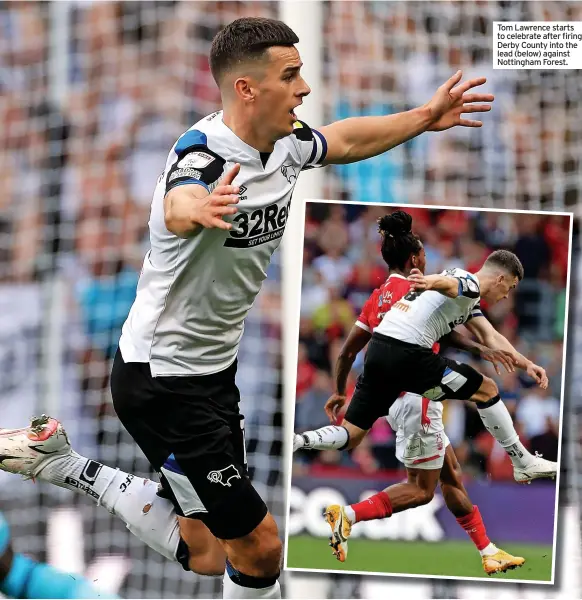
(349, 485)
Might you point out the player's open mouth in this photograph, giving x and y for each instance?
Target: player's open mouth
(292, 113)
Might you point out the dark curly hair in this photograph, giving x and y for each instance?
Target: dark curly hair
(398, 241)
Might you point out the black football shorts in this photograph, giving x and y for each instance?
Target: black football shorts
(392, 366)
(192, 432)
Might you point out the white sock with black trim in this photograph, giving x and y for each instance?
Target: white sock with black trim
(237, 585)
(133, 499)
(499, 424)
(330, 437)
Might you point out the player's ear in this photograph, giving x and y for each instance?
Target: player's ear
(244, 89)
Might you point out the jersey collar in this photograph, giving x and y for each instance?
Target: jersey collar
(397, 275)
(237, 142)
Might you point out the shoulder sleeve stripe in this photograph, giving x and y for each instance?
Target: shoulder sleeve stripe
(468, 287)
(363, 326)
(323, 145)
(313, 152)
(195, 162)
(190, 182)
(319, 150)
(190, 138)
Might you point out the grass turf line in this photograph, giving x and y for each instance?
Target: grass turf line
(450, 558)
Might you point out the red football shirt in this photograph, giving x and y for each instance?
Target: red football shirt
(381, 301)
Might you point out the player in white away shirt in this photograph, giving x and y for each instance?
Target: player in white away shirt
(218, 213)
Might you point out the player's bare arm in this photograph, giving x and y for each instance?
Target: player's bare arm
(448, 286)
(496, 357)
(489, 336)
(190, 206)
(356, 341)
(358, 138)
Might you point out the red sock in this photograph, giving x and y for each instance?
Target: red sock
(377, 506)
(474, 526)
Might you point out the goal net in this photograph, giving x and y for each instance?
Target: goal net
(93, 95)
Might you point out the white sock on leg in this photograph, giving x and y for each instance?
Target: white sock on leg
(232, 590)
(499, 424)
(134, 500)
(330, 437)
(150, 518)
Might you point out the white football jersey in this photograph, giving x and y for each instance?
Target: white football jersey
(194, 294)
(423, 318)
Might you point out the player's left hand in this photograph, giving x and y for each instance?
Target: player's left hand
(496, 357)
(450, 102)
(538, 374)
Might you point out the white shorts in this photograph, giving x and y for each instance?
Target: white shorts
(422, 450)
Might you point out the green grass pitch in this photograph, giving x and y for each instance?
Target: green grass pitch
(449, 558)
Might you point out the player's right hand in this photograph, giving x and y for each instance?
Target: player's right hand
(210, 210)
(538, 374)
(418, 281)
(334, 405)
(499, 357)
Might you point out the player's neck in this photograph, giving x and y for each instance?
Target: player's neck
(243, 128)
(485, 281)
(398, 272)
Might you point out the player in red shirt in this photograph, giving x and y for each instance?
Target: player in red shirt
(412, 414)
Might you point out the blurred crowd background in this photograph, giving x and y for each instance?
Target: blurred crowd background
(342, 265)
(92, 97)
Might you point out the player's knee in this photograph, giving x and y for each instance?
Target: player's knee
(210, 563)
(486, 391)
(424, 496)
(267, 549)
(267, 556)
(259, 553)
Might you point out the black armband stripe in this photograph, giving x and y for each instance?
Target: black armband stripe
(196, 163)
(468, 287)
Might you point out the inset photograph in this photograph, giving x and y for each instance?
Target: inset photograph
(428, 416)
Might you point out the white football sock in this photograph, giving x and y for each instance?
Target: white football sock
(150, 518)
(134, 500)
(232, 590)
(498, 423)
(350, 513)
(330, 437)
(489, 550)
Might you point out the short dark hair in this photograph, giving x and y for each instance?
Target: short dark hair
(506, 260)
(398, 241)
(247, 39)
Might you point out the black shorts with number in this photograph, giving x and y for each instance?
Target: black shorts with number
(191, 430)
(392, 366)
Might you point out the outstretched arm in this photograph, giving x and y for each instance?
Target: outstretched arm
(489, 336)
(495, 357)
(448, 286)
(356, 341)
(358, 138)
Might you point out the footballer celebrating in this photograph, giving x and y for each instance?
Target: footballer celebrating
(218, 213)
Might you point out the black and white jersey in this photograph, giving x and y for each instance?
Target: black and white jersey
(194, 294)
(423, 318)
